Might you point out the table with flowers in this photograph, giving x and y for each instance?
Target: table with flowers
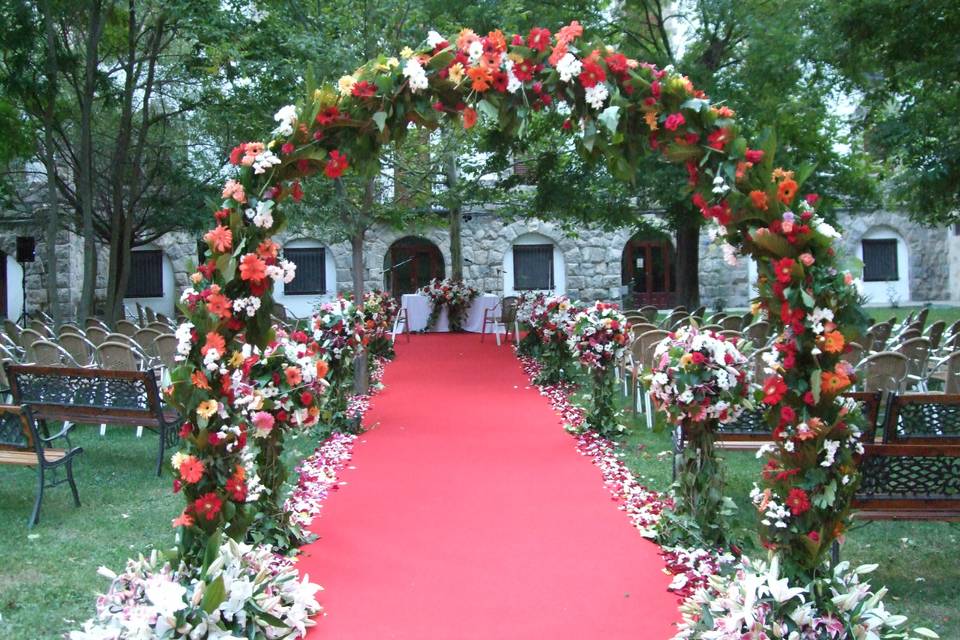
(418, 308)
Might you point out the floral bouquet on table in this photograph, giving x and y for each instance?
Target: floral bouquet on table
(699, 381)
(377, 314)
(552, 321)
(242, 592)
(455, 295)
(598, 340)
(338, 330)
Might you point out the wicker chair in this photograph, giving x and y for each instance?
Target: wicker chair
(716, 328)
(935, 334)
(150, 314)
(758, 333)
(503, 315)
(649, 312)
(145, 339)
(160, 327)
(69, 327)
(731, 334)
(917, 351)
(648, 345)
(126, 327)
(640, 328)
(97, 335)
(746, 320)
(50, 354)
(885, 371)
(878, 335)
(95, 322)
(715, 318)
(79, 348)
(731, 323)
(947, 371)
(853, 354)
(165, 346)
(41, 327)
(11, 329)
(118, 356)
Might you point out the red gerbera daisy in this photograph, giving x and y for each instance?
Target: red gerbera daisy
(209, 505)
(798, 501)
(336, 165)
(328, 116)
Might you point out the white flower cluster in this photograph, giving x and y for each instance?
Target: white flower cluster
(184, 342)
(249, 305)
(287, 117)
(599, 335)
(597, 95)
(568, 67)
(773, 513)
(413, 70)
(264, 161)
(434, 38)
(262, 216)
(285, 271)
(256, 590)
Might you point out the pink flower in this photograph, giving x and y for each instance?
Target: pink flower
(674, 120)
(807, 259)
(847, 279)
(263, 423)
(233, 189)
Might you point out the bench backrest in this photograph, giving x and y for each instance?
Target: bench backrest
(923, 418)
(17, 429)
(85, 391)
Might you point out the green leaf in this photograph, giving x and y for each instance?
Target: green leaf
(212, 550)
(610, 118)
(827, 497)
(926, 633)
(380, 118)
(815, 385)
(214, 595)
(695, 104)
(808, 300)
(488, 109)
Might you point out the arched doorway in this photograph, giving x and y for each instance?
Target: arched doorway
(411, 262)
(649, 270)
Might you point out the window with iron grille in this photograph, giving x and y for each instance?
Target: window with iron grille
(532, 267)
(880, 260)
(311, 277)
(146, 274)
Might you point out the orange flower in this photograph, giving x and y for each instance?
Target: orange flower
(558, 52)
(252, 268)
(466, 38)
(497, 39)
(780, 173)
(569, 33)
(759, 199)
(833, 342)
(183, 520)
(219, 304)
(220, 239)
(214, 341)
(480, 77)
(199, 380)
(293, 376)
(651, 118)
(191, 470)
(833, 383)
(786, 191)
(322, 368)
(233, 189)
(268, 249)
(469, 118)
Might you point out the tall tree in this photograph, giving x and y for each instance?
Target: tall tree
(901, 58)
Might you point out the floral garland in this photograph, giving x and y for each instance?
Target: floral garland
(551, 320)
(377, 313)
(599, 335)
(339, 330)
(699, 380)
(455, 295)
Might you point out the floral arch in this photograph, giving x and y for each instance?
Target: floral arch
(618, 110)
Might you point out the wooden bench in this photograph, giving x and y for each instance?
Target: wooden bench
(914, 472)
(95, 396)
(22, 445)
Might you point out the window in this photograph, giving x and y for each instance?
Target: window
(880, 260)
(311, 277)
(532, 266)
(956, 229)
(146, 274)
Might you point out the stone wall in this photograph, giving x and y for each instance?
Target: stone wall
(592, 258)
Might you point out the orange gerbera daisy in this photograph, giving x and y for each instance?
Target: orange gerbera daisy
(220, 239)
(183, 520)
(322, 368)
(569, 33)
(268, 249)
(833, 383)
(199, 380)
(466, 38)
(759, 199)
(220, 305)
(833, 342)
(787, 191)
(214, 341)
(469, 118)
(252, 268)
(480, 78)
(191, 470)
(293, 376)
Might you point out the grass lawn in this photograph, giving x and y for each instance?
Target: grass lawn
(947, 314)
(48, 575)
(918, 560)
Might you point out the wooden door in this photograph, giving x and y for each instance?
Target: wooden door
(649, 272)
(413, 264)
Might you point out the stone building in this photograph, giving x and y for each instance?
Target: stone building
(903, 263)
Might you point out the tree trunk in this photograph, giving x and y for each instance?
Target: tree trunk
(361, 379)
(456, 241)
(688, 263)
(53, 205)
(85, 172)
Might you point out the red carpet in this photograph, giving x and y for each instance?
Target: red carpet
(469, 514)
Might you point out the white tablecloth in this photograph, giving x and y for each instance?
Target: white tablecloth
(418, 311)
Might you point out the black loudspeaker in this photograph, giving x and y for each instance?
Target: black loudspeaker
(26, 249)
